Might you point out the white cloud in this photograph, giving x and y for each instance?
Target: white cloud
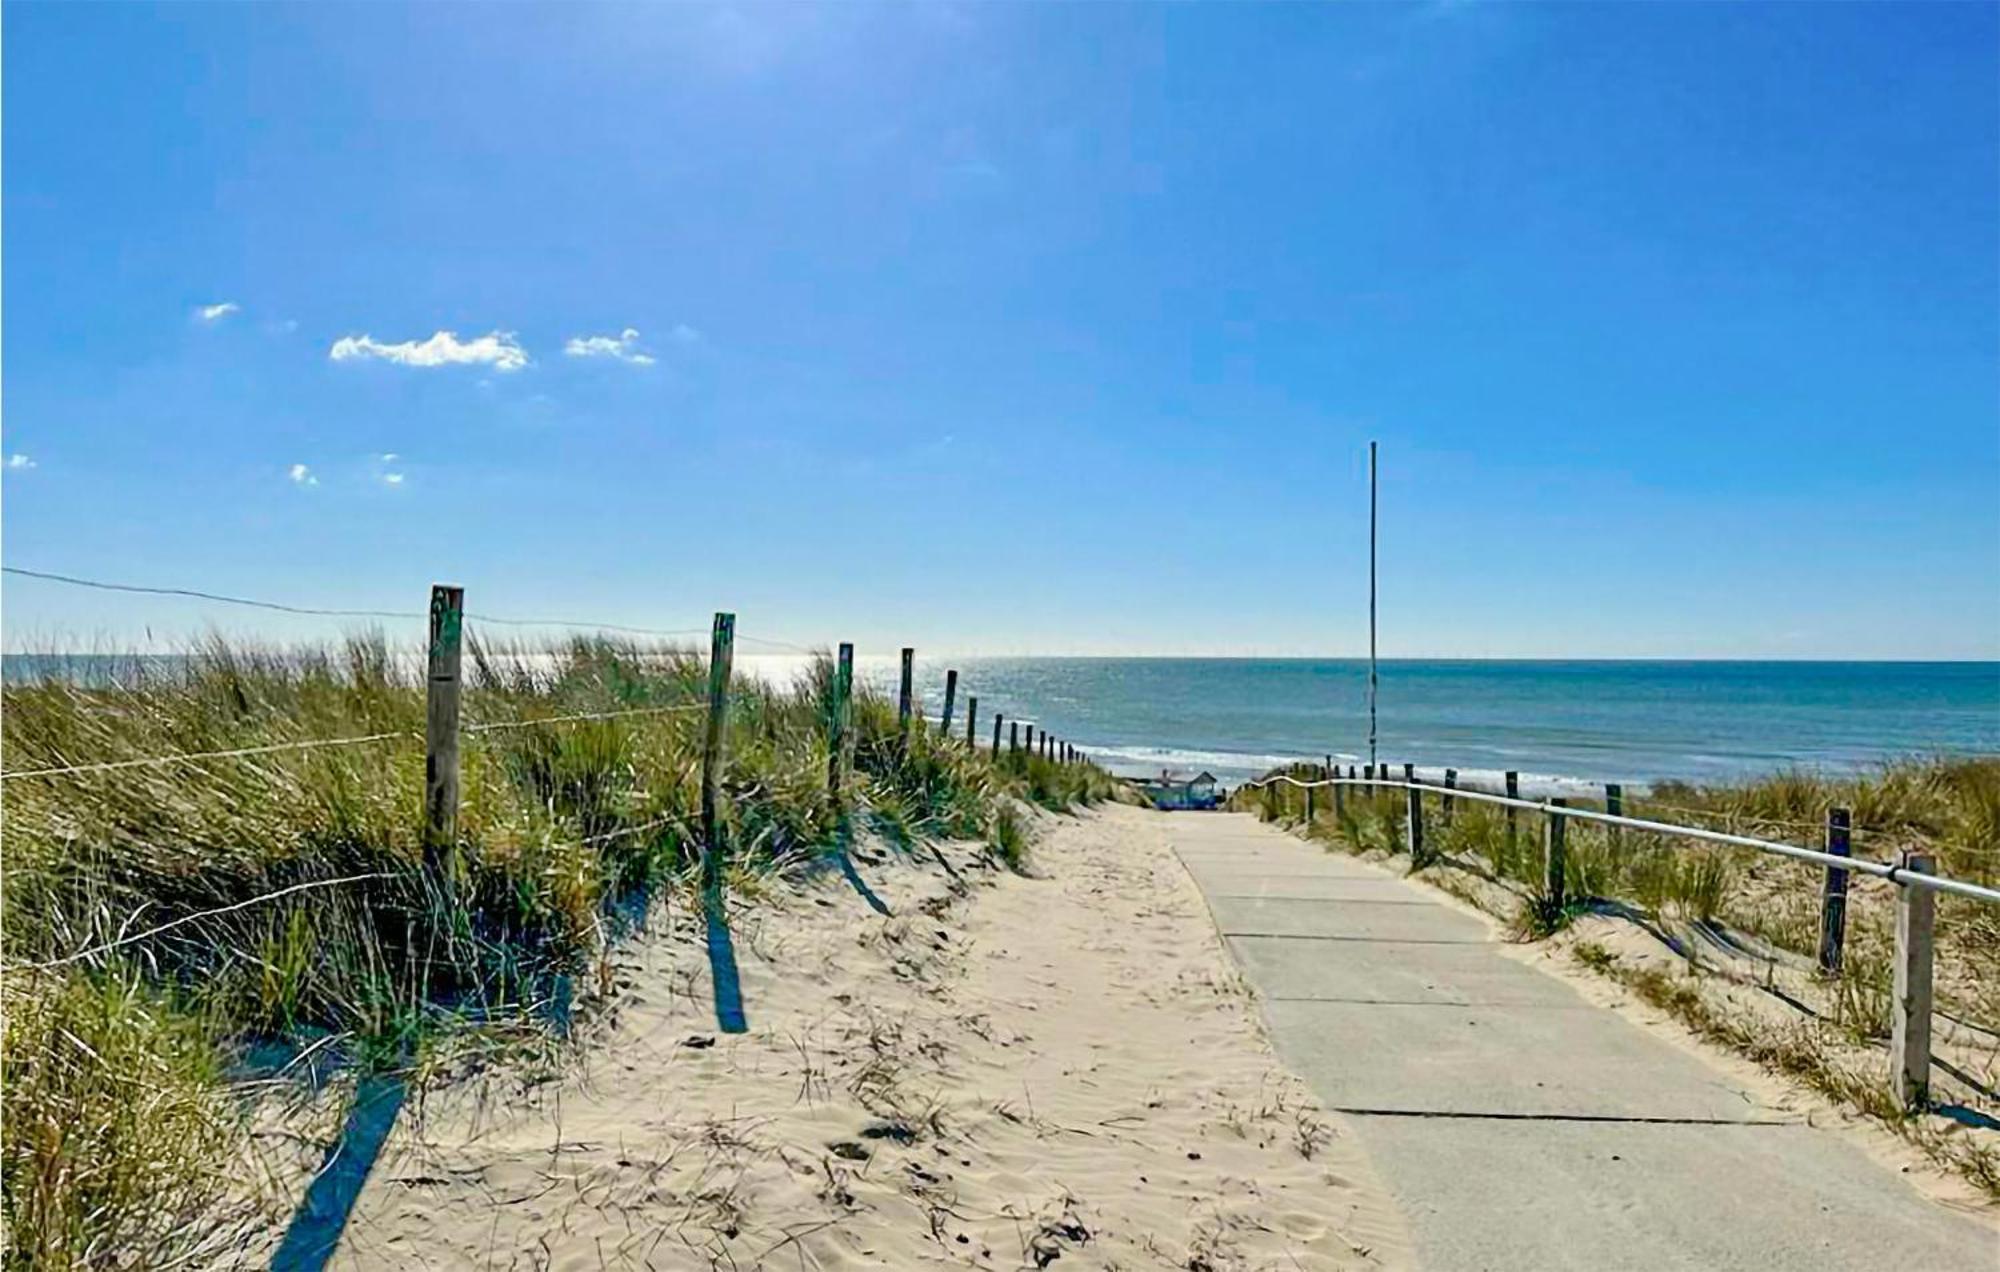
(18, 461)
(388, 457)
(392, 479)
(497, 349)
(217, 312)
(303, 476)
(624, 347)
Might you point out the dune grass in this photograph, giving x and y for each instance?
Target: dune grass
(159, 921)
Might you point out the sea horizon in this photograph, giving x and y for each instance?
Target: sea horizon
(1555, 721)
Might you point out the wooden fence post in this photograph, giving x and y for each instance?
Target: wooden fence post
(1910, 1034)
(1833, 897)
(1614, 804)
(1444, 804)
(721, 653)
(1410, 774)
(950, 692)
(1554, 857)
(1415, 822)
(971, 720)
(998, 719)
(1014, 737)
(904, 697)
(1309, 805)
(836, 745)
(1513, 792)
(447, 627)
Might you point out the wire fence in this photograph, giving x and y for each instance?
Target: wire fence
(443, 860)
(1860, 865)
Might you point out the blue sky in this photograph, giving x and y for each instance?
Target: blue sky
(1016, 328)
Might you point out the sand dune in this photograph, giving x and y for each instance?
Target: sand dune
(1008, 1073)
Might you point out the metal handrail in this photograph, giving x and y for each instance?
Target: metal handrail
(1881, 870)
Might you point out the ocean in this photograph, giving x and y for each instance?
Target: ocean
(1631, 722)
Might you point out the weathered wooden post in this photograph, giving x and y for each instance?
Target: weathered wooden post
(1614, 804)
(1554, 857)
(1910, 1033)
(721, 653)
(998, 719)
(447, 627)
(1410, 774)
(950, 692)
(1833, 897)
(1415, 822)
(1513, 792)
(1309, 804)
(1368, 773)
(1014, 737)
(1444, 804)
(905, 697)
(1339, 802)
(971, 720)
(837, 715)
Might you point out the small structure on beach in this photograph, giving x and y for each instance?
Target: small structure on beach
(1176, 791)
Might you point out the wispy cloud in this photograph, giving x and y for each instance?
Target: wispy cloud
(17, 461)
(684, 334)
(392, 479)
(623, 347)
(497, 349)
(385, 470)
(302, 476)
(215, 313)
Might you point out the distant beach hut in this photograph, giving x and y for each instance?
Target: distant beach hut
(1177, 791)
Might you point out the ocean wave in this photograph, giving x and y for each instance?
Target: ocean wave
(1222, 763)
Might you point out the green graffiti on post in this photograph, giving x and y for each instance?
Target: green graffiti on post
(446, 619)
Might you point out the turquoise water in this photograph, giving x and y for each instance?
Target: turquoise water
(1631, 722)
(1605, 721)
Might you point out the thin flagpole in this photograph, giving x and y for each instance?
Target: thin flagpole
(1371, 603)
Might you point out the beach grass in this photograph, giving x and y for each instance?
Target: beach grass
(160, 921)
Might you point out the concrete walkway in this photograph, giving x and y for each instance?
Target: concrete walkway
(1518, 1125)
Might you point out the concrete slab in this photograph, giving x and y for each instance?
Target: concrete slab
(1347, 919)
(1494, 1060)
(1553, 1196)
(1473, 974)
(1320, 887)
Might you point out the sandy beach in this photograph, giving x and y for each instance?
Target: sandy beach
(1010, 1072)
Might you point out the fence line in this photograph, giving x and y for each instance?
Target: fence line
(1913, 997)
(502, 725)
(316, 612)
(185, 919)
(443, 729)
(1893, 873)
(189, 757)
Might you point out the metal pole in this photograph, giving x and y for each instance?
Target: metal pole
(1371, 602)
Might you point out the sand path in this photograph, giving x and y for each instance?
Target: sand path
(1005, 1074)
(1520, 1125)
